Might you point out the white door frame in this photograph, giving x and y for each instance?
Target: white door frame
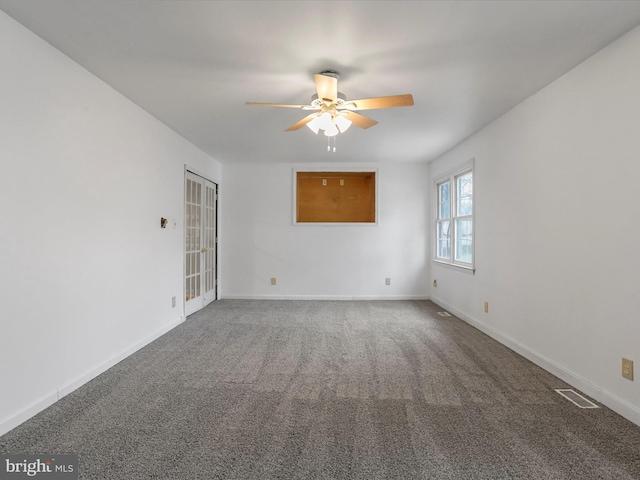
(200, 248)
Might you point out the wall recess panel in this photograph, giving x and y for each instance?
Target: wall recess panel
(336, 197)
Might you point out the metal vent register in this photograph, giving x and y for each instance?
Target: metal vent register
(576, 398)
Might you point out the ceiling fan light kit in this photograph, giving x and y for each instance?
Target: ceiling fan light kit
(333, 114)
(330, 123)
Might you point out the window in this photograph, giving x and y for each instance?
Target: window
(454, 219)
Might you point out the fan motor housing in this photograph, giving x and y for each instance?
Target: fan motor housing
(330, 73)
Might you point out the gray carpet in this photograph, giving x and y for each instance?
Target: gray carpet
(331, 390)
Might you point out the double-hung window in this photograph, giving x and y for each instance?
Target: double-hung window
(454, 219)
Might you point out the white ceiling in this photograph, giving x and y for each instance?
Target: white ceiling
(193, 64)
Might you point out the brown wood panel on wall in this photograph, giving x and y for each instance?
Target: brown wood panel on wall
(336, 197)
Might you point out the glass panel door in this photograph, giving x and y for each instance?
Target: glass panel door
(209, 241)
(200, 242)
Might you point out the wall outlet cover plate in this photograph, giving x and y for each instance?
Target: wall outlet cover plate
(627, 369)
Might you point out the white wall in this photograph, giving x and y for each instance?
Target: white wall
(557, 230)
(311, 261)
(86, 274)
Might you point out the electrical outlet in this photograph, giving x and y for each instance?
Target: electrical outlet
(273, 280)
(435, 283)
(387, 281)
(173, 302)
(486, 307)
(627, 369)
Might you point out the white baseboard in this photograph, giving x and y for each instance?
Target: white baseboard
(616, 404)
(323, 297)
(33, 409)
(51, 398)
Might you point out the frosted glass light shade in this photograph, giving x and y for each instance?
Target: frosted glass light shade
(324, 121)
(342, 122)
(332, 130)
(314, 125)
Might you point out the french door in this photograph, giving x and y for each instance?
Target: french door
(200, 239)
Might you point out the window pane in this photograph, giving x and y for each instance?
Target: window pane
(443, 248)
(465, 185)
(445, 210)
(464, 251)
(464, 241)
(465, 206)
(444, 191)
(444, 230)
(465, 194)
(444, 200)
(464, 228)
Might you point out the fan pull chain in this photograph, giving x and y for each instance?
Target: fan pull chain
(329, 143)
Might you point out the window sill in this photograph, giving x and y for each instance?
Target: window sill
(336, 224)
(461, 268)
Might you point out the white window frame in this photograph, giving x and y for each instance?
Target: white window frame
(452, 177)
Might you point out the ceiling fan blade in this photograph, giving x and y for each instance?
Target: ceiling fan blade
(286, 105)
(380, 102)
(360, 120)
(301, 123)
(327, 87)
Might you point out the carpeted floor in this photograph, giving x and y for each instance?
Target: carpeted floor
(329, 390)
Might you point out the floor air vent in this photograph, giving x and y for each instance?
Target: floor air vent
(444, 314)
(576, 398)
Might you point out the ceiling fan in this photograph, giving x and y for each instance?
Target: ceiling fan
(333, 113)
